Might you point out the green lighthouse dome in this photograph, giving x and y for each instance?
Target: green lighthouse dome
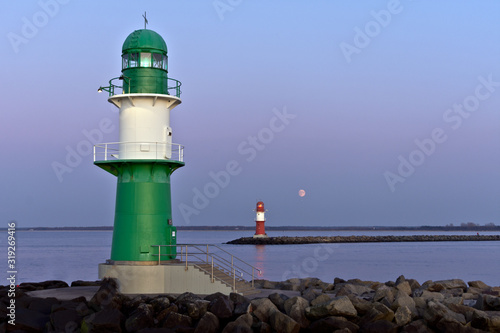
(144, 39)
(145, 64)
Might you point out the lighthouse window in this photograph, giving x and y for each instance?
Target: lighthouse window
(157, 60)
(133, 60)
(125, 61)
(165, 59)
(145, 59)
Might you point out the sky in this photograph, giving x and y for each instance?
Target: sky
(385, 113)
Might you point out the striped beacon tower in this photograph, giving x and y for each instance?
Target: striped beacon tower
(260, 229)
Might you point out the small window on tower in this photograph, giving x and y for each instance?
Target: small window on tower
(133, 60)
(157, 60)
(145, 59)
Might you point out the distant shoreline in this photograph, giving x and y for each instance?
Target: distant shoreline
(279, 228)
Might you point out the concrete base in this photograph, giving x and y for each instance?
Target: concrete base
(261, 236)
(162, 279)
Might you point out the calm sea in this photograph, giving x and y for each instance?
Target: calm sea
(74, 255)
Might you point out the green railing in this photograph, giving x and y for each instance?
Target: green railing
(172, 84)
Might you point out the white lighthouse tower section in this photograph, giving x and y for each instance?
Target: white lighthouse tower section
(145, 131)
(260, 216)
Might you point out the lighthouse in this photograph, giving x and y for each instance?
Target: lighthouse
(145, 156)
(260, 219)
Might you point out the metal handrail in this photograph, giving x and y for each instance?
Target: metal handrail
(216, 261)
(111, 150)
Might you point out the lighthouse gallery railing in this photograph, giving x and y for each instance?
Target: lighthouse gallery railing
(150, 150)
(236, 268)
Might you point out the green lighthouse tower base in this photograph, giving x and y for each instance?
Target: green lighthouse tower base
(143, 214)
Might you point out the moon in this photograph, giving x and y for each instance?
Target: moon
(302, 193)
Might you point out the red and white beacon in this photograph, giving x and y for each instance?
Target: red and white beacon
(260, 229)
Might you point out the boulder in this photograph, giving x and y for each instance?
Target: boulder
(452, 284)
(278, 300)
(162, 316)
(384, 292)
(222, 307)
(295, 308)
(282, 323)
(402, 299)
(66, 320)
(159, 304)
(376, 313)
(417, 326)
(209, 323)
(106, 296)
(321, 299)
(402, 316)
(263, 308)
(362, 306)
(242, 324)
(404, 287)
(488, 303)
(338, 306)
(435, 312)
(380, 326)
(29, 320)
(177, 321)
(331, 324)
(106, 320)
(43, 305)
(80, 283)
(356, 289)
(311, 293)
(141, 318)
(197, 309)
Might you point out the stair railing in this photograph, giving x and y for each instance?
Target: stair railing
(201, 253)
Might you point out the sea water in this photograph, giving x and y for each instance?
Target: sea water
(75, 255)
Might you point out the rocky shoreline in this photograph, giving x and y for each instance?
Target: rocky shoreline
(403, 305)
(362, 239)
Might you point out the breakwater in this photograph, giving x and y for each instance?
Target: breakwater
(362, 239)
(291, 306)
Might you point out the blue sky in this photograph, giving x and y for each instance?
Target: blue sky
(384, 112)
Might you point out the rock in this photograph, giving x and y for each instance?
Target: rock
(262, 308)
(209, 323)
(402, 299)
(141, 318)
(161, 317)
(282, 323)
(177, 321)
(197, 309)
(338, 306)
(452, 284)
(190, 297)
(242, 324)
(159, 304)
(330, 324)
(66, 320)
(106, 296)
(29, 320)
(467, 311)
(362, 306)
(402, 316)
(376, 313)
(237, 298)
(488, 303)
(43, 305)
(404, 287)
(413, 284)
(295, 308)
(435, 312)
(311, 293)
(380, 326)
(278, 300)
(417, 326)
(222, 307)
(241, 308)
(80, 283)
(384, 291)
(270, 284)
(106, 320)
(358, 290)
(321, 299)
